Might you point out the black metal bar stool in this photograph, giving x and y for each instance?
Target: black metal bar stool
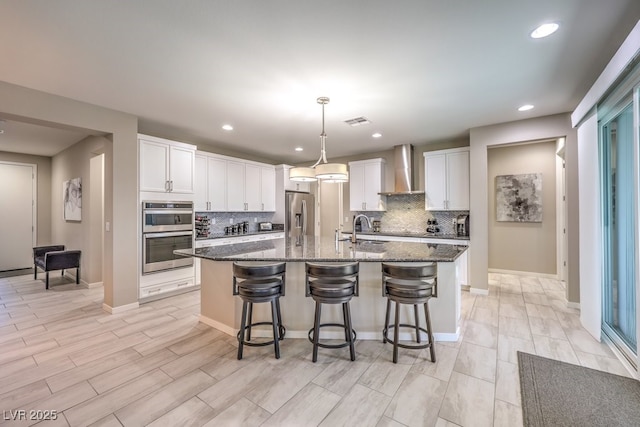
(410, 283)
(256, 283)
(332, 284)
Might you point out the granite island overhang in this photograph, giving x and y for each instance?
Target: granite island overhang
(221, 310)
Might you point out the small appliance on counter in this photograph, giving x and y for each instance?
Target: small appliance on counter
(462, 225)
(432, 226)
(239, 228)
(265, 226)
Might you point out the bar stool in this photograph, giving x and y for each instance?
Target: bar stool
(332, 284)
(410, 283)
(257, 283)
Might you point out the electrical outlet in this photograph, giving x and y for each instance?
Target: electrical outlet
(255, 219)
(213, 220)
(230, 220)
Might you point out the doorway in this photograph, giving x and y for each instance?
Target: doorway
(18, 216)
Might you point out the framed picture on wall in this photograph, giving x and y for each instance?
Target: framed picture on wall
(519, 198)
(72, 199)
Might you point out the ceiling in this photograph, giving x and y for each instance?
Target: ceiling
(421, 71)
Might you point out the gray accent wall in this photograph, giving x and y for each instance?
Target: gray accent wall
(481, 138)
(524, 246)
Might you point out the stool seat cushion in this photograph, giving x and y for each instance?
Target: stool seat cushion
(332, 288)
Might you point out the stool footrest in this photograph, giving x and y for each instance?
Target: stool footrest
(385, 334)
(281, 333)
(324, 345)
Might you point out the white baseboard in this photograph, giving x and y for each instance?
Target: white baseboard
(93, 285)
(120, 308)
(478, 291)
(262, 332)
(524, 273)
(221, 326)
(575, 305)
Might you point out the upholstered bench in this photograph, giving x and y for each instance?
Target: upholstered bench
(55, 257)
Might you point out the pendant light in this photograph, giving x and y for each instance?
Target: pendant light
(322, 170)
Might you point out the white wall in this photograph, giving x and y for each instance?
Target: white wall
(590, 227)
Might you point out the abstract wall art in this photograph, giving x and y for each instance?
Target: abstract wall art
(72, 199)
(519, 198)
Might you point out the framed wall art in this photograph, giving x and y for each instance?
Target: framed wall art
(72, 199)
(519, 198)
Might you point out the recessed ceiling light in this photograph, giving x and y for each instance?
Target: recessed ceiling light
(227, 127)
(377, 135)
(544, 30)
(299, 148)
(526, 107)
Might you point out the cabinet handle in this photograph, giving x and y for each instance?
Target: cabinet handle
(171, 185)
(364, 206)
(166, 186)
(263, 206)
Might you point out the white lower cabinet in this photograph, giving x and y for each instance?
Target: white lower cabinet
(164, 282)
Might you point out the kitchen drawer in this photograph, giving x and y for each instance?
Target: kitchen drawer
(161, 288)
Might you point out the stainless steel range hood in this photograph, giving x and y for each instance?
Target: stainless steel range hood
(403, 171)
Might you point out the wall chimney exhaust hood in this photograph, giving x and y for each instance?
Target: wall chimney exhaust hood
(402, 165)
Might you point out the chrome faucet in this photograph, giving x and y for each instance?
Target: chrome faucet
(355, 218)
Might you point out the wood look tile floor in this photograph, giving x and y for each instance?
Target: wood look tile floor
(157, 365)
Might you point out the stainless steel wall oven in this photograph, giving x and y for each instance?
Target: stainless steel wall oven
(166, 226)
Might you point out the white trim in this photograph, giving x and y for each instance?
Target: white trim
(524, 273)
(366, 336)
(94, 285)
(220, 326)
(623, 360)
(625, 54)
(478, 291)
(120, 308)
(575, 305)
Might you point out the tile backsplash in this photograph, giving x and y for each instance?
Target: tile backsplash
(406, 214)
(219, 220)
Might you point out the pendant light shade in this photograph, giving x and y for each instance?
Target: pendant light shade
(327, 172)
(302, 174)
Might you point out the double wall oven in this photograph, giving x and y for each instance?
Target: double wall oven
(166, 226)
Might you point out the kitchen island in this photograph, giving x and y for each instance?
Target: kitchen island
(221, 310)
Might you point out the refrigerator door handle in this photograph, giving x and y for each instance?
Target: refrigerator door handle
(304, 217)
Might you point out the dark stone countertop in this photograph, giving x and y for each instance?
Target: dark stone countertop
(410, 234)
(323, 249)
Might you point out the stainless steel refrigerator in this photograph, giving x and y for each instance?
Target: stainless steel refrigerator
(299, 214)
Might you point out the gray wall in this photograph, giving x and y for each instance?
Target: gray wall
(481, 138)
(71, 163)
(521, 246)
(43, 183)
(121, 155)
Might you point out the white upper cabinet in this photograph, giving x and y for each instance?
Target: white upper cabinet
(268, 188)
(288, 185)
(366, 180)
(166, 166)
(233, 185)
(211, 183)
(447, 179)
